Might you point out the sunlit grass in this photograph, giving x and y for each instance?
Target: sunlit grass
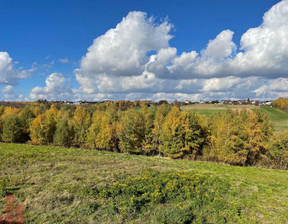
(60, 185)
(280, 118)
(211, 109)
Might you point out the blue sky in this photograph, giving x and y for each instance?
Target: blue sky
(175, 50)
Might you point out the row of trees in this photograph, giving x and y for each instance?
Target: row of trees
(233, 137)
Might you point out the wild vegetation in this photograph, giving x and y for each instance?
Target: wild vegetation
(237, 137)
(277, 116)
(68, 185)
(76, 185)
(281, 103)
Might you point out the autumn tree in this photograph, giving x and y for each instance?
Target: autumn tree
(277, 154)
(43, 127)
(259, 130)
(26, 116)
(94, 129)
(63, 135)
(238, 137)
(5, 112)
(12, 131)
(81, 122)
(102, 134)
(281, 103)
(182, 134)
(228, 139)
(160, 116)
(2, 109)
(136, 131)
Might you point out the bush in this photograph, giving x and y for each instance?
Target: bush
(277, 155)
(174, 197)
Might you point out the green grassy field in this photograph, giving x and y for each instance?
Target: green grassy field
(210, 109)
(280, 118)
(60, 185)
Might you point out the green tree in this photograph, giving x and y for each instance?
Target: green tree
(229, 138)
(26, 116)
(182, 134)
(136, 131)
(12, 131)
(2, 109)
(277, 154)
(160, 116)
(63, 134)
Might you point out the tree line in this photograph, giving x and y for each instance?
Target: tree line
(281, 103)
(245, 138)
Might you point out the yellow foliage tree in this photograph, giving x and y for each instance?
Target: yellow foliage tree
(43, 127)
(182, 134)
(81, 122)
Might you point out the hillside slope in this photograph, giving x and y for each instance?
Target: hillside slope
(82, 186)
(279, 117)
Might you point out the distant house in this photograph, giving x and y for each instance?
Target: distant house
(78, 102)
(255, 102)
(225, 101)
(268, 103)
(243, 102)
(67, 102)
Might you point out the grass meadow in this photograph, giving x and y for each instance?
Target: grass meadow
(66, 185)
(210, 109)
(280, 118)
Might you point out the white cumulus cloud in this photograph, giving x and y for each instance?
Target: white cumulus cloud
(136, 58)
(9, 75)
(56, 88)
(10, 94)
(121, 51)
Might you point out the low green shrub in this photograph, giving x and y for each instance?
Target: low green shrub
(172, 197)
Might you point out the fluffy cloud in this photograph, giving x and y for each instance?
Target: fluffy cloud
(55, 89)
(118, 61)
(273, 88)
(8, 74)
(221, 47)
(220, 84)
(122, 51)
(264, 51)
(10, 95)
(134, 59)
(266, 47)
